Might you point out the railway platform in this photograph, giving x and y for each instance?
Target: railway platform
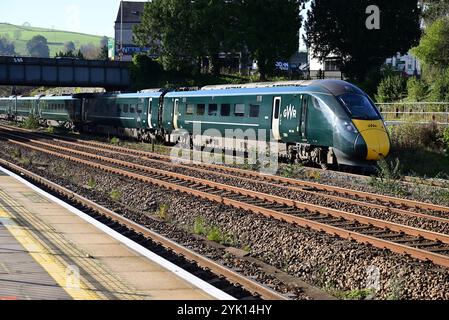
(51, 251)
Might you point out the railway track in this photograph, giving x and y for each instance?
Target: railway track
(418, 243)
(363, 199)
(185, 258)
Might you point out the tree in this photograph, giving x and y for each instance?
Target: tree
(433, 49)
(104, 53)
(434, 10)
(341, 30)
(104, 42)
(6, 47)
(69, 46)
(270, 30)
(90, 51)
(38, 47)
(168, 28)
(70, 54)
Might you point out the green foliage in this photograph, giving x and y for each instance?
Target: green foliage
(434, 45)
(7, 48)
(358, 294)
(50, 130)
(91, 184)
(417, 89)
(388, 179)
(162, 212)
(292, 171)
(31, 123)
(38, 47)
(115, 195)
(416, 137)
(212, 233)
(435, 9)
(330, 31)
(115, 141)
(440, 87)
(71, 54)
(58, 38)
(187, 33)
(199, 227)
(391, 89)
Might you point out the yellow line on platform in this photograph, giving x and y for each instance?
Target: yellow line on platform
(60, 273)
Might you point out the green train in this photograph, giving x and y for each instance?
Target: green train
(326, 122)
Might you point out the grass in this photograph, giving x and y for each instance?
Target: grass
(91, 184)
(292, 171)
(31, 123)
(212, 233)
(115, 195)
(357, 294)
(56, 38)
(162, 212)
(389, 176)
(115, 141)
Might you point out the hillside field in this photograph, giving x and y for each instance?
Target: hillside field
(55, 38)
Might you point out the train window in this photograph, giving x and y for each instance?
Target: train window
(239, 110)
(213, 109)
(201, 109)
(277, 107)
(132, 109)
(190, 109)
(254, 111)
(119, 108)
(359, 107)
(139, 108)
(225, 110)
(125, 108)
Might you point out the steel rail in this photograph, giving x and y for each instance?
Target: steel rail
(202, 261)
(263, 182)
(268, 212)
(262, 196)
(282, 181)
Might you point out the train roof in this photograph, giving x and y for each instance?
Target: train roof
(149, 94)
(334, 87)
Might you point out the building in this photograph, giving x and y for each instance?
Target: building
(407, 64)
(125, 46)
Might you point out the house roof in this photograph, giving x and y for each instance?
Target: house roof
(132, 12)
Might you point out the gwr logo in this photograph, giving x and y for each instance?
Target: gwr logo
(290, 112)
(372, 126)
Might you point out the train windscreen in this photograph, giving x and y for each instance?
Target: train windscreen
(359, 107)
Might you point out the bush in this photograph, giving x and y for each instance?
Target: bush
(440, 87)
(417, 90)
(391, 89)
(413, 136)
(31, 123)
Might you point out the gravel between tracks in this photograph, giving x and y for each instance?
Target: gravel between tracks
(416, 222)
(322, 260)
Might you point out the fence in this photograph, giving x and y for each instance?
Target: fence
(415, 112)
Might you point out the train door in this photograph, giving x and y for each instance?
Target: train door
(304, 114)
(176, 114)
(276, 118)
(150, 113)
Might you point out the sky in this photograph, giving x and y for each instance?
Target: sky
(86, 16)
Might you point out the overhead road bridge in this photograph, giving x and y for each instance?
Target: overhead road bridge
(64, 72)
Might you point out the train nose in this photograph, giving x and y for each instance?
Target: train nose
(376, 138)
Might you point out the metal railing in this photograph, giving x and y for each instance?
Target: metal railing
(415, 112)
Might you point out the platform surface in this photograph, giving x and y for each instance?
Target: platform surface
(47, 252)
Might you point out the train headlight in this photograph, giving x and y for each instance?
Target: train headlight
(350, 127)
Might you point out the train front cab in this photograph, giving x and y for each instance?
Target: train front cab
(362, 138)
